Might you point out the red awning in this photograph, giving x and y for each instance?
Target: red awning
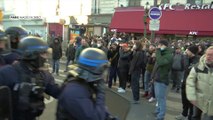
(182, 22)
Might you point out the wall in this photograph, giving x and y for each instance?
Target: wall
(55, 29)
(98, 30)
(32, 26)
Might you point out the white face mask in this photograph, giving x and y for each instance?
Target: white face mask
(162, 48)
(99, 45)
(134, 47)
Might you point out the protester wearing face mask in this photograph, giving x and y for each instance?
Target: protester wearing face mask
(161, 77)
(101, 45)
(136, 65)
(113, 56)
(189, 111)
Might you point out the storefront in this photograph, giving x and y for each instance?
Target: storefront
(182, 20)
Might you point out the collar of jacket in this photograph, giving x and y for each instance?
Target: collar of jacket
(202, 63)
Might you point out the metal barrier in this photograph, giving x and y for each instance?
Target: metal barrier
(117, 104)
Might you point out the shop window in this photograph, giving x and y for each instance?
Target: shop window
(207, 1)
(195, 1)
(178, 1)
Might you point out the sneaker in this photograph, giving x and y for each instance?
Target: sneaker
(151, 99)
(121, 90)
(156, 104)
(180, 117)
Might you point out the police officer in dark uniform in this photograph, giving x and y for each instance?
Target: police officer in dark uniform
(83, 95)
(27, 81)
(14, 34)
(4, 47)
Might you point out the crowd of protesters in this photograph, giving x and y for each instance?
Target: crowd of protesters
(134, 61)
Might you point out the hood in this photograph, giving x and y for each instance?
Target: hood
(202, 63)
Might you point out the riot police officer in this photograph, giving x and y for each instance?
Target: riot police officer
(27, 81)
(16, 34)
(3, 46)
(85, 79)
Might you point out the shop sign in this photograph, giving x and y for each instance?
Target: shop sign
(155, 13)
(154, 25)
(187, 6)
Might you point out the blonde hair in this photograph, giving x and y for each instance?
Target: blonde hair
(209, 48)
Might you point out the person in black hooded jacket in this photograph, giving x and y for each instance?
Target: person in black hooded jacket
(56, 55)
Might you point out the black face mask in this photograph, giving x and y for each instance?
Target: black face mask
(14, 45)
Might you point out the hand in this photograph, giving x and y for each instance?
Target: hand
(152, 81)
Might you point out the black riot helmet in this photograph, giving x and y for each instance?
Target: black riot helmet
(91, 64)
(16, 34)
(31, 49)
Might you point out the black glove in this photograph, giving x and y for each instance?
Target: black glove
(100, 87)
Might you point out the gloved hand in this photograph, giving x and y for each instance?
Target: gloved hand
(100, 87)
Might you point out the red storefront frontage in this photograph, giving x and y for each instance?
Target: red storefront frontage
(179, 22)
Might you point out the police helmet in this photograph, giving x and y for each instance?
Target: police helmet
(16, 32)
(31, 46)
(91, 65)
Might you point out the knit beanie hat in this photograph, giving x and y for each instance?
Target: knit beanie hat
(193, 49)
(164, 42)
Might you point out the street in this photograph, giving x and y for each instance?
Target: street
(142, 111)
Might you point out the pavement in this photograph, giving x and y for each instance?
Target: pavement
(142, 111)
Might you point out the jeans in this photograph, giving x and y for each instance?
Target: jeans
(152, 90)
(112, 75)
(177, 76)
(161, 94)
(123, 77)
(147, 77)
(135, 77)
(67, 64)
(56, 65)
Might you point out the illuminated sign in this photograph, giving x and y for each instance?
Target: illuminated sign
(187, 6)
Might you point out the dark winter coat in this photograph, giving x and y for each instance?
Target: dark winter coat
(76, 103)
(162, 66)
(124, 60)
(113, 57)
(137, 62)
(70, 52)
(12, 77)
(56, 51)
